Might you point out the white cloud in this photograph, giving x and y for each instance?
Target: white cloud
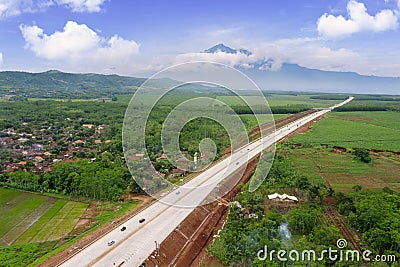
(82, 5)
(221, 57)
(10, 8)
(306, 52)
(310, 53)
(1, 58)
(80, 47)
(359, 20)
(74, 40)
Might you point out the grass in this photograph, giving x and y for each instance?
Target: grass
(342, 171)
(109, 214)
(371, 130)
(23, 255)
(250, 120)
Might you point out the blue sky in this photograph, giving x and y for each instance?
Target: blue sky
(142, 37)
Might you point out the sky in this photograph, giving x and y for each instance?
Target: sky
(141, 37)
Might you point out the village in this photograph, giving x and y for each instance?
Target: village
(27, 147)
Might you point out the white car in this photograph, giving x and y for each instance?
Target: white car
(110, 243)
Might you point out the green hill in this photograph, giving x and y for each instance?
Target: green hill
(56, 84)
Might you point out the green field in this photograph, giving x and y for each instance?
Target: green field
(342, 171)
(23, 255)
(372, 130)
(250, 120)
(27, 217)
(279, 100)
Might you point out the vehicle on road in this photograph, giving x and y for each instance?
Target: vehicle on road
(123, 228)
(142, 220)
(178, 192)
(110, 243)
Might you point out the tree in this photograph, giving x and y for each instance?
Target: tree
(304, 219)
(302, 183)
(317, 192)
(362, 155)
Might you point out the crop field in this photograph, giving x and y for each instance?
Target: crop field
(342, 171)
(26, 217)
(378, 130)
(279, 100)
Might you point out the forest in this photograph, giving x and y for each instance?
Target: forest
(105, 179)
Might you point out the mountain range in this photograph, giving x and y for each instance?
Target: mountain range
(289, 77)
(297, 78)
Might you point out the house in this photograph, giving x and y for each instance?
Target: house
(251, 216)
(162, 157)
(87, 126)
(37, 147)
(38, 159)
(284, 198)
(177, 172)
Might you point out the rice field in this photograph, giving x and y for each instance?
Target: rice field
(27, 217)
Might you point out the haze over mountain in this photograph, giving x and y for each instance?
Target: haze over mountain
(298, 78)
(289, 77)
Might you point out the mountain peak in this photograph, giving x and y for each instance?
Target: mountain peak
(226, 49)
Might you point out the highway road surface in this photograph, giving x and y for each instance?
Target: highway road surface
(132, 246)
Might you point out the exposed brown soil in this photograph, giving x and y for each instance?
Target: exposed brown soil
(333, 217)
(328, 200)
(339, 150)
(86, 220)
